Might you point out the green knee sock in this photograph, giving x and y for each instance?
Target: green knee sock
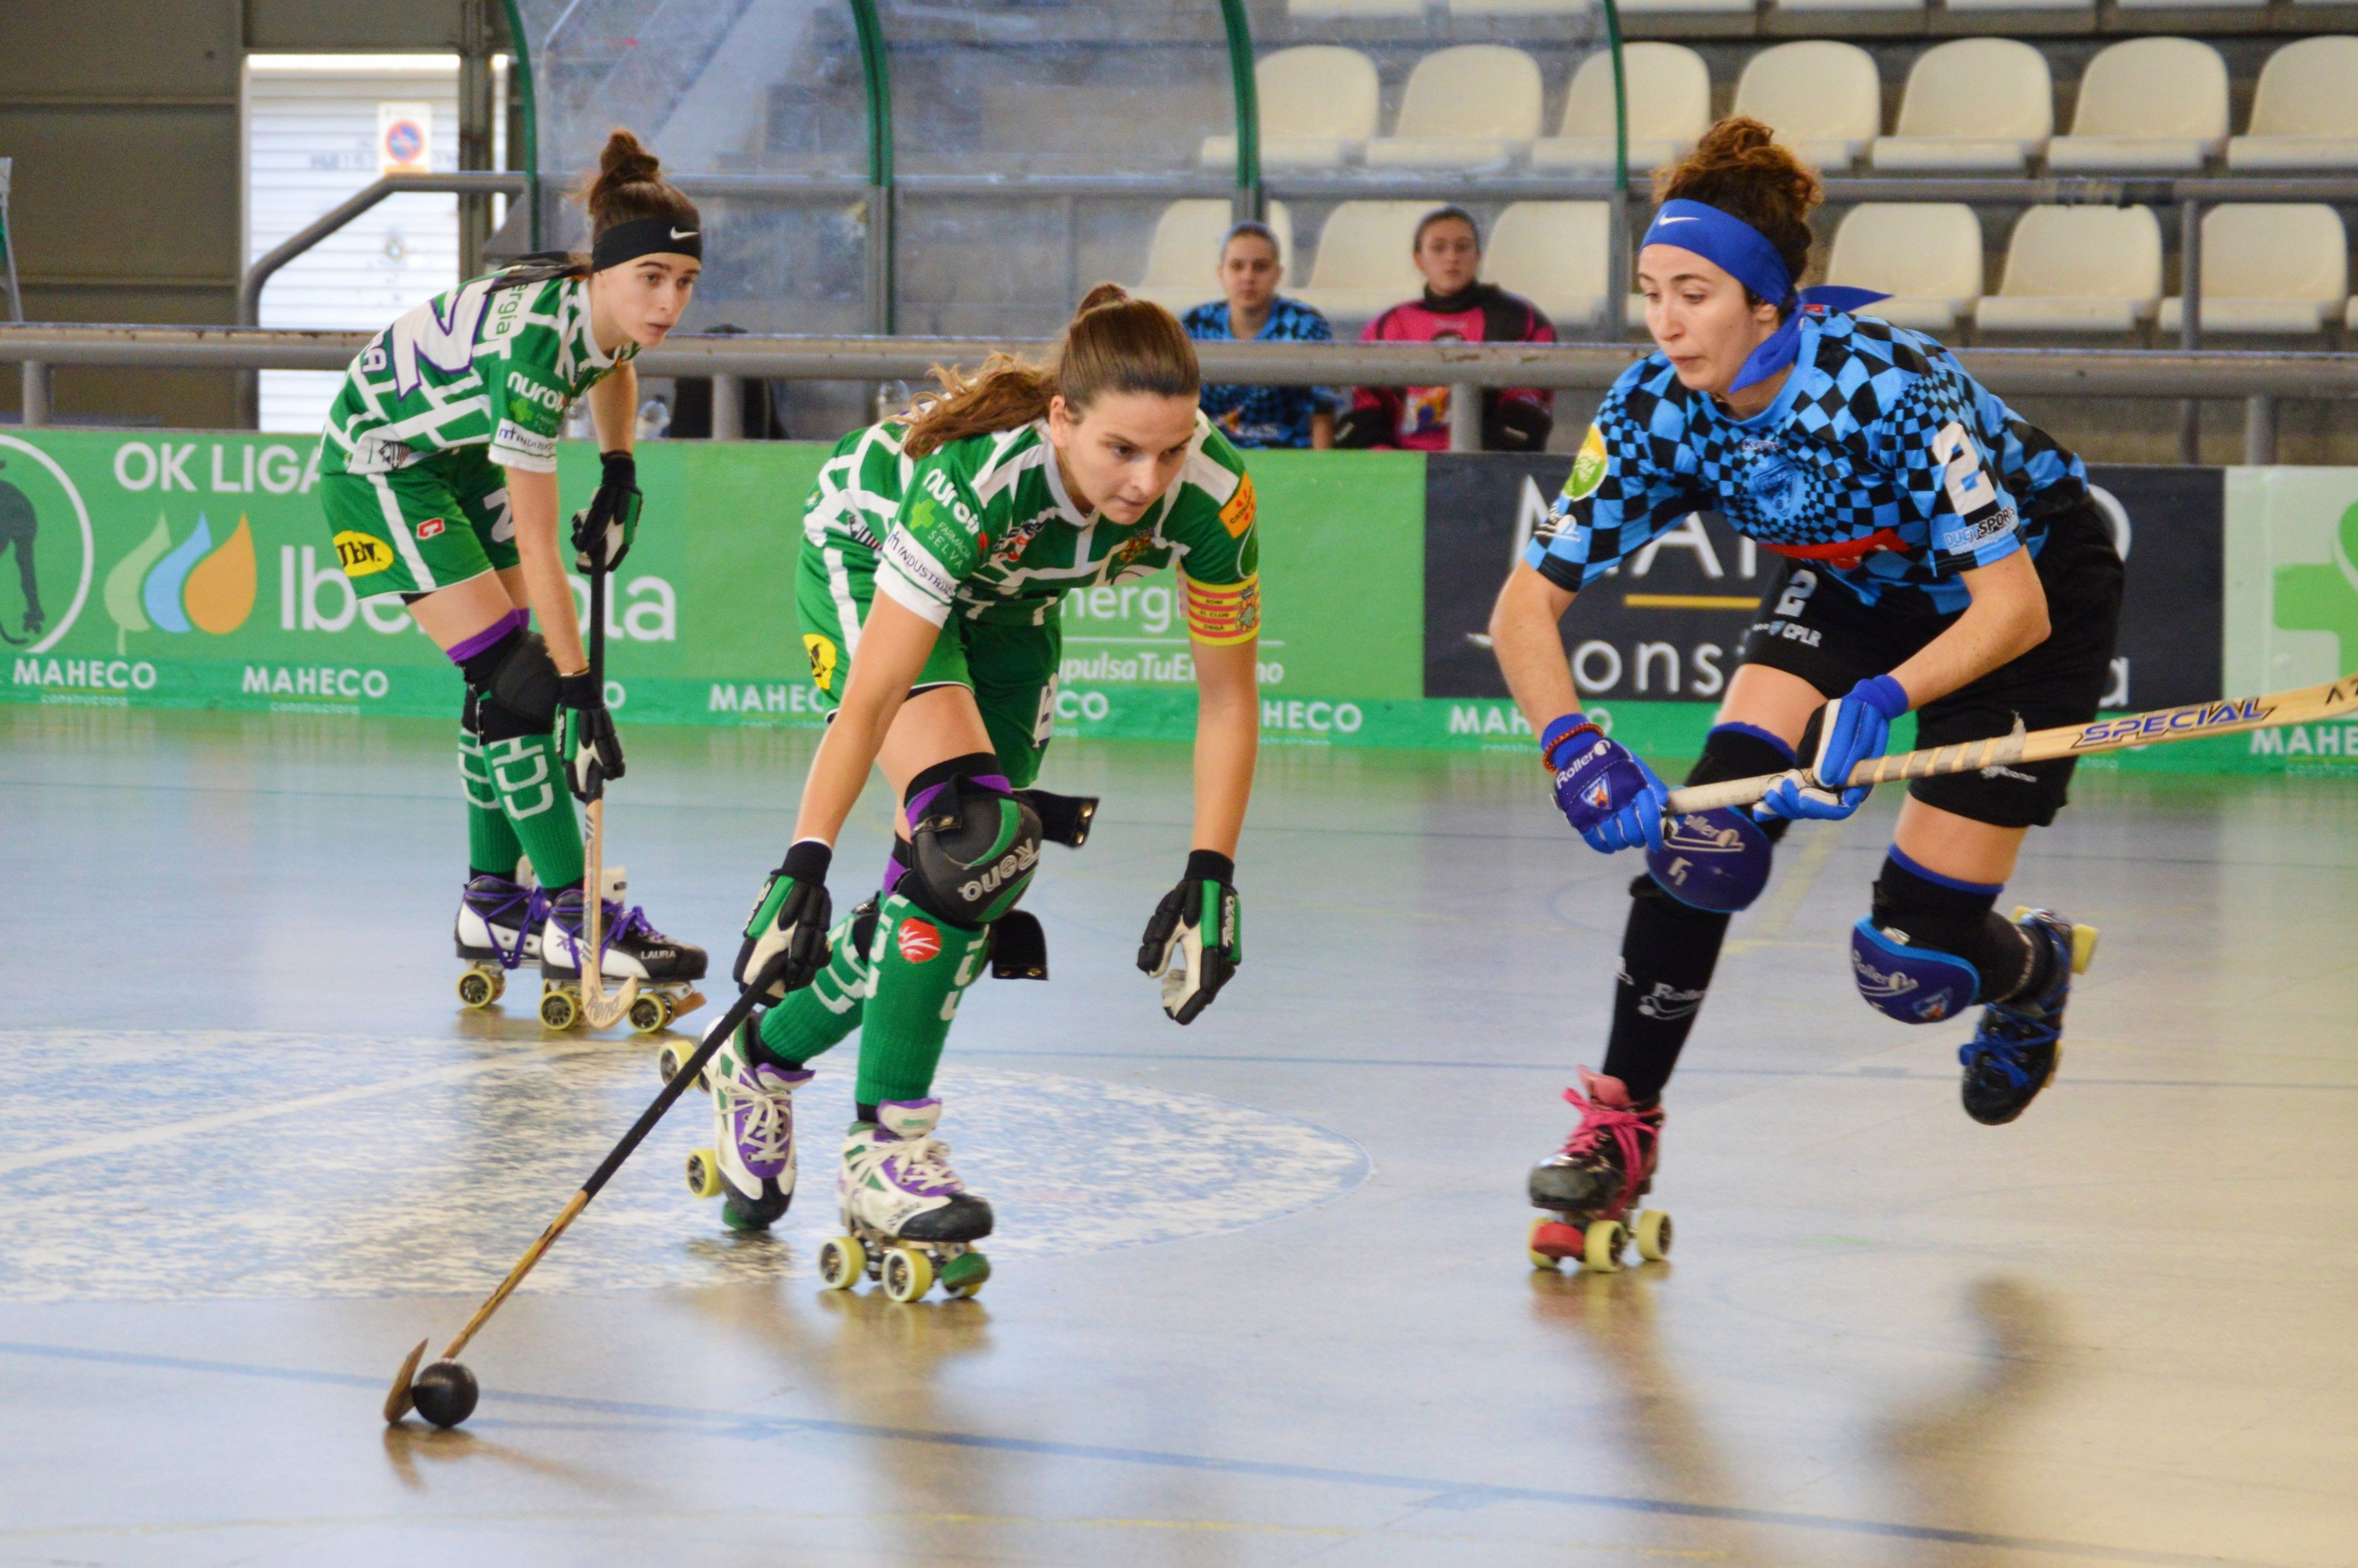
(530, 778)
(492, 844)
(923, 966)
(820, 1015)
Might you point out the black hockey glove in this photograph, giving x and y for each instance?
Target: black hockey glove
(585, 737)
(611, 518)
(791, 917)
(1195, 939)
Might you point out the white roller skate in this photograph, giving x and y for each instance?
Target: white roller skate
(667, 969)
(498, 930)
(750, 1166)
(907, 1219)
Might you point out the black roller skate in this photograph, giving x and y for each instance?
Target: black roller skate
(667, 969)
(2014, 1052)
(1590, 1186)
(497, 932)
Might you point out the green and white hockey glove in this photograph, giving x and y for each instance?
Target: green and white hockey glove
(610, 521)
(790, 918)
(1195, 939)
(586, 737)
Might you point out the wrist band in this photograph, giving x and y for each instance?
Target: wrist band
(808, 860)
(1561, 731)
(1211, 865)
(580, 691)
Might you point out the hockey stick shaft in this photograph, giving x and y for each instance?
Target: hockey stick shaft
(2192, 721)
(601, 1011)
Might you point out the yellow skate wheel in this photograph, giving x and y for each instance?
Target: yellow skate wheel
(2084, 949)
(557, 1009)
(965, 1274)
(1602, 1250)
(908, 1273)
(670, 1059)
(1549, 1241)
(648, 1013)
(704, 1174)
(1653, 1235)
(841, 1262)
(478, 988)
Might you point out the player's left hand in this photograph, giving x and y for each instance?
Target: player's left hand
(586, 737)
(602, 531)
(1850, 730)
(1195, 939)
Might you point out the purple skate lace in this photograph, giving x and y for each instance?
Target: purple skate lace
(763, 1131)
(536, 910)
(619, 923)
(919, 1164)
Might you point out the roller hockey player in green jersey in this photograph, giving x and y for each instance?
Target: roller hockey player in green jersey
(438, 471)
(935, 549)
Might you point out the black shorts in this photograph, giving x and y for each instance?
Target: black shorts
(1821, 632)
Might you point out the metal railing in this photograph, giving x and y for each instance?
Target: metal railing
(2259, 378)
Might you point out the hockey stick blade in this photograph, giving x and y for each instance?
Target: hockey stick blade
(2191, 722)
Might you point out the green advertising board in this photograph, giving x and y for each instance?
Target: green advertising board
(190, 569)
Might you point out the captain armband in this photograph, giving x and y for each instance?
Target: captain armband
(1222, 613)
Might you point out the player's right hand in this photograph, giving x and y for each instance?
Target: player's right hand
(791, 918)
(1195, 940)
(1611, 798)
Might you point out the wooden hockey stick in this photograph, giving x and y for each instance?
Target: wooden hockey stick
(2310, 704)
(597, 1009)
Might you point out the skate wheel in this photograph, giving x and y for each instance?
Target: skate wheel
(499, 985)
(1601, 1249)
(687, 1004)
(908, 1273)
(965, 1274)
(648, 1014)
(704, 1174)
(2084, 949)
(477, 990)
(1653, 1235)
(1550, 1242)
(841, 1262)
(557, 1010)
(669, 1060)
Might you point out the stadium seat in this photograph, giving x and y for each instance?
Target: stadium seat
(2192, 5)
(1687, 7)
(1518, 7)
(1473, 106)
(2146, 106)
(1352, 10)
(1824, 99)
(1363, 267)
(1187, 248)
(2077, 269)
(2269, 267)
(1829, 5)
(1670, 109)
(1317, 110)
(1972, 104)
(1926, 254)
(2304, 112)
(2087, 8)
(1553, 253)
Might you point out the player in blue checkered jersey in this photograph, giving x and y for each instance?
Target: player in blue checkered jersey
(1942, 557)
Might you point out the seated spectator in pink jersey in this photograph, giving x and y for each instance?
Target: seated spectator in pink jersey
(1454, 308)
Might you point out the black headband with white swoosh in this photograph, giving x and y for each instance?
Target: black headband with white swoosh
(644, 237)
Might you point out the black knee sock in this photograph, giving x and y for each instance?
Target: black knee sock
(1668, 952)
(1958, 917)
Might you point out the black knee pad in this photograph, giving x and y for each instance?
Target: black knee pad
(1719, 860)
(1958, 922)
(515, 684)
(973, 844)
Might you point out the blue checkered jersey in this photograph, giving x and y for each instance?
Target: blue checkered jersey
(1266, 416)
(1881, 460)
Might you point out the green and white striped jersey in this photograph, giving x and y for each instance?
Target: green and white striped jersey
(485, 364)
(984, 528)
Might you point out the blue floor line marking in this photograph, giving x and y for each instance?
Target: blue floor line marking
(1458, 1494)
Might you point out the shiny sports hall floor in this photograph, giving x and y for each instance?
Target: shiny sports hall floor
(1261, 1295)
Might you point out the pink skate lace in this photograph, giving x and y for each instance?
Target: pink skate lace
(1599, 1119)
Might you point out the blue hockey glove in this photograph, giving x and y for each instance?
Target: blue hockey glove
(1611, 798)
(1851, 730)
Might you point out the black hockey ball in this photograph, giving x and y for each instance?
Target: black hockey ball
(445, 1393)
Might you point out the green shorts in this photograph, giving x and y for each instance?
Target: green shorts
(1011, 668)
(426, 526)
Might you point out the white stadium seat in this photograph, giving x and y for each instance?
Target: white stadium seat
(1926, 254)
(1824, 99)
(1353, 10)
(1473, 106)
(1670, 109)
(2304, 110)
(2269, 267)
(2085, 6)
(2077, 269)
(1364, 266)
(2146, 106)
(1687, 7)
(1813, 5)
(1182, 261)
(1553, 253)
(1518, 7)
(1972, 104)
(1317, 109)
(2192, 5)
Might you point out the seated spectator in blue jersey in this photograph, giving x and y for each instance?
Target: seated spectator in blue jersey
(1250, 270)
(1455, 308)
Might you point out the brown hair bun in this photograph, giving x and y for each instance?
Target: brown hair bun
(1739, 169)
(629, 185)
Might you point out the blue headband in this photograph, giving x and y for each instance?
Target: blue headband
(1745, 254)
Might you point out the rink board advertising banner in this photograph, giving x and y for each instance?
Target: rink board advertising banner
(188, 569)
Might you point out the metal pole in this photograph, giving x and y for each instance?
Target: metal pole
(728, 408)
(474, 131)
(883, 205)
(1245, 88)
(1465, 417)
(2189, 320)
(1617, 229)
(2259, 431)
(36, 394)
(525, 149)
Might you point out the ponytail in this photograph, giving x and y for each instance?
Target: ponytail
(1113, 344)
